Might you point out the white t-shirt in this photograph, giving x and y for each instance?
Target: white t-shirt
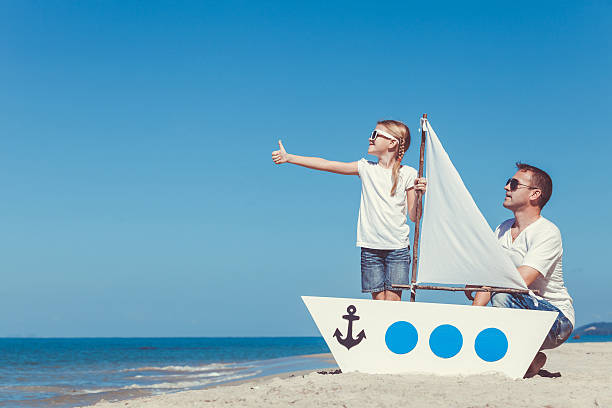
(539, 246)
(382, 217)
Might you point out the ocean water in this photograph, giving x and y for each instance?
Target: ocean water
(591, 339)
(81, 371)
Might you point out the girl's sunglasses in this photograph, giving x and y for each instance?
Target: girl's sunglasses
(514, 184)
(379, 133)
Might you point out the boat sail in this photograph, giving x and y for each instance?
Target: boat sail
(457, 247)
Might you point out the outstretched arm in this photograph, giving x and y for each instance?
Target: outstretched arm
(281, 156)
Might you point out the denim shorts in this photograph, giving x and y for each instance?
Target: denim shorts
(381, 268)
(561, 328)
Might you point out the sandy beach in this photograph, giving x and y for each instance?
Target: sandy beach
(577, 375)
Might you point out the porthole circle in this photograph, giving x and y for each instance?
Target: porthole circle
(445, 341)
(491, 344)
(401, 337)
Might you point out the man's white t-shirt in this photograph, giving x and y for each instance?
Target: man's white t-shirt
(382, 217)
(539, 246)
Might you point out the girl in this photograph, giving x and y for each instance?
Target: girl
(387, 194)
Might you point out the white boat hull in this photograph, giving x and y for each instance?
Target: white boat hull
(433, 338)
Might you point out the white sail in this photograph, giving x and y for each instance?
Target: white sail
(457, 245)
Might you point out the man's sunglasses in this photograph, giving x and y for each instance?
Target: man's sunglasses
(379, 133)
(514, 184)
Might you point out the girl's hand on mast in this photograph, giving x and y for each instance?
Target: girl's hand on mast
(420, 184)
(280, 156)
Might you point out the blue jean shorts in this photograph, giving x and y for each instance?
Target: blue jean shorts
(561, 328)
(381, 268)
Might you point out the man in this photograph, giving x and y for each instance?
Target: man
(534, 245)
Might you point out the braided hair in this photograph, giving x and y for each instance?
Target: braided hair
(401, 131)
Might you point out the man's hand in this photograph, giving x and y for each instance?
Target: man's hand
(420, 184)
(280, 156)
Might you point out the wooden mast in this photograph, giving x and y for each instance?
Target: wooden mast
(417, 223)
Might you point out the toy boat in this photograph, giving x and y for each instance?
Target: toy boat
(457, 247)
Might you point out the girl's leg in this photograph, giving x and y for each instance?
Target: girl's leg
(397, 271)
(379, 295)
(373, 273)
(395, 295)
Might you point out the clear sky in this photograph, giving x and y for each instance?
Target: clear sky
(138, 193)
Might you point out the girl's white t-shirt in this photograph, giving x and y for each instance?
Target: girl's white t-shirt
(540, 247)
(382, 217)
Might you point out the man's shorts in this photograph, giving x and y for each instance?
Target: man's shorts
(561, 328)
(381, 268)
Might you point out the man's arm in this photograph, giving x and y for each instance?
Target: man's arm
(481, 299)
(528, 274)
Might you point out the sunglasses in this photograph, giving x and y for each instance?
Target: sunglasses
(514, 184)
(379, 133)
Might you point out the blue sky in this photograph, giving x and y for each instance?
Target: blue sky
(139, 197)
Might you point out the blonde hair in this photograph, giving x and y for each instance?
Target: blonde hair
(401, 131)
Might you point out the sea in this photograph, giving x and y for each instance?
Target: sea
(70, 372)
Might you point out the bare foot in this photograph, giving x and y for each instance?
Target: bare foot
(537, 363)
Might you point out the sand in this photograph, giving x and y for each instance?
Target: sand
(585, 381)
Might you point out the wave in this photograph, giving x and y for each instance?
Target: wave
(207, 367)
(39, 388)
(191, 384)
(200, 375)
(71, 392)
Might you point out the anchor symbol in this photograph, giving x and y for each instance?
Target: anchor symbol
(349, 341)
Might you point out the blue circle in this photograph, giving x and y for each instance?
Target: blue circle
(401, 337)
(445, 341)
(491, 344)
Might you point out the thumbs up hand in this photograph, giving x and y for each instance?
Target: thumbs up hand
(280, 156)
